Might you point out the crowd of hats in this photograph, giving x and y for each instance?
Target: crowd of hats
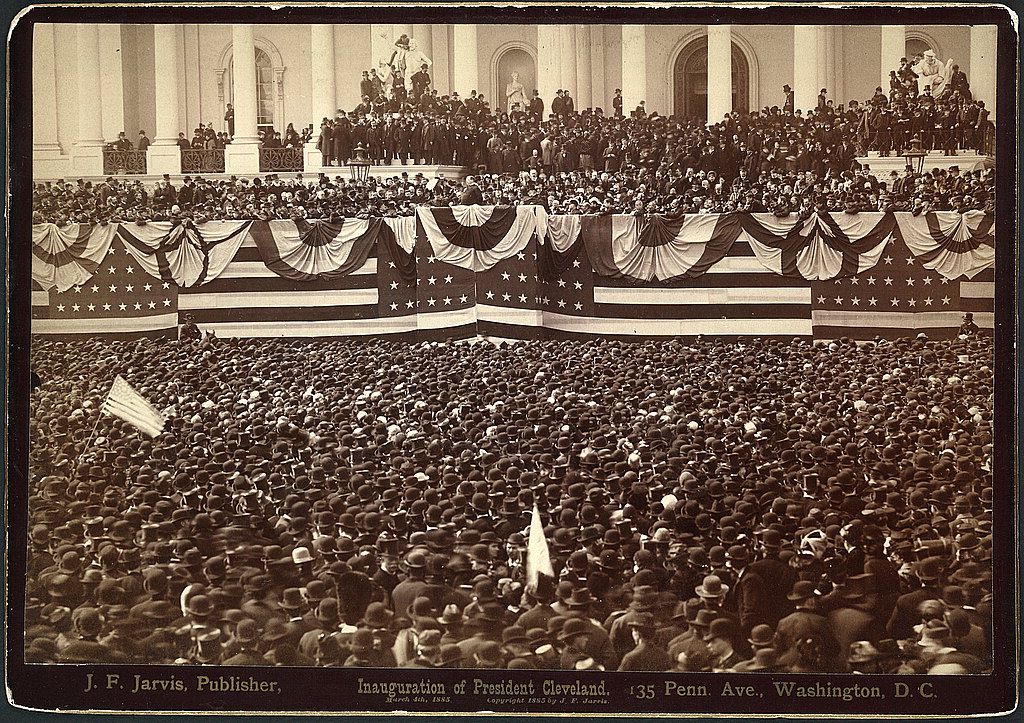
(753, 505)
(588, 162)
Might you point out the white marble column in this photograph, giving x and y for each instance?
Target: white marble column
(829, 68)
(548, 71)
(584, 65)
(242, 154)
(984, 40)
(440, 71)
(165, 83)
(88, 158)
(838, 94)
(164, 154)
(599, 86)
(807, 54)
(466, 73)
(567, 45)
(719, 72)
(425, 42)
(44, 92)
(90, 122)
(324, 92)
(634, 68)
(111, 91)
(894, 47)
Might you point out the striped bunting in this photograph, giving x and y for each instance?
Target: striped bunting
(341, 307)
(901, 297)
(424, 296)
(738, 296)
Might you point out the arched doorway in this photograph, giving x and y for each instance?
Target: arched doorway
(514, 59)
(691, 80)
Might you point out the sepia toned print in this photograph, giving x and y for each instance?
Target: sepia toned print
(548, 366)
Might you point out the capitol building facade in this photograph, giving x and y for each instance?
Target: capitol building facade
(93, 81)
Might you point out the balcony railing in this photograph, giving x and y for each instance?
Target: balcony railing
(123, 162)
(202, 160)
(275, 160)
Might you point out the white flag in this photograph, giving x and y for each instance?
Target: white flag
(538, 557)
(129, 405)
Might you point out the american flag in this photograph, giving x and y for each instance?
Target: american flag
(120, 300)
(446, 295)
(737, 297)
(513, 297)
(899, 296)
(248, 299)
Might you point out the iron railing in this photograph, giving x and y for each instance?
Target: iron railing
(123, 162)
(274, 160)
(202, 160)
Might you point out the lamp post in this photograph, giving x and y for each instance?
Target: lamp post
(914, 155)
(359, 165)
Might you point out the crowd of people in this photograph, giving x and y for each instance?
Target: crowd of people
(755, 505)
(205, 137)
(775, 159)
(633, 191)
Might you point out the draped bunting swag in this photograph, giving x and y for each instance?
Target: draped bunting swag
(68, 256)
(302, 251)
(638, 249)
(478, 237)
(187, 254)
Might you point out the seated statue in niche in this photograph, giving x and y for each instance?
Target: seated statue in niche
(515, 94)
(932, 73)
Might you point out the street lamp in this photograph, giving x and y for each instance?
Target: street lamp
(914, 155)
(359, 165)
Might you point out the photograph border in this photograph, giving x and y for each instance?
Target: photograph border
(334, 690)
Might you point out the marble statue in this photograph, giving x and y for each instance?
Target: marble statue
(515, 94)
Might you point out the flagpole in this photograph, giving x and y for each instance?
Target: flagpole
(92, 435)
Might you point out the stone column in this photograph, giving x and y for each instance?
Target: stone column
(44, 92)
(567, 46)
(324, 93)
(88, 154)
(634, 68)
(466, 73)
(984, 40)
(242, 155)
(440, 72)
(829, 68)
(164, 155)
(111, 92)
(894, 47)
(599, 86)
(548, 71)
(584, 65)
(719, 72)
(425, 42)
(808, 52)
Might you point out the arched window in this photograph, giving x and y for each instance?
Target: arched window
(266, 98)
(264, 90)
(691, 80)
